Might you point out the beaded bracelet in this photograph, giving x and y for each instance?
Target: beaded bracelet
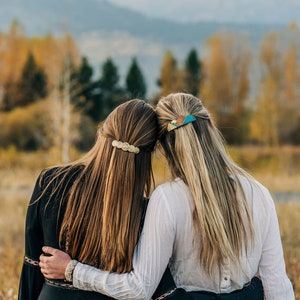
(70, 269)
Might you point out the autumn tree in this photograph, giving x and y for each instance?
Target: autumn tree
(265, 113)
(13, 56)
(14, 51)
(49, 54)
(277, 113)
(63, 60)
(168, 74)
(26, 128)
(135, 82)
(289, 121)
(225, 83)
(2, 64)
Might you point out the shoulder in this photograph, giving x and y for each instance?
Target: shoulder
(170, 189)
(175, 196)
(57, 174)
(258, 197)
(252, 186)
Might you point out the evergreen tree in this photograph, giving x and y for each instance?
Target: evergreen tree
(32, 85)
(135, 83)
(111, 95)
(192, 73)
(8, 101)
(84, 87)
(109, 76)
(85, 72)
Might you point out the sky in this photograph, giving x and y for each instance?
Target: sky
(241, 11)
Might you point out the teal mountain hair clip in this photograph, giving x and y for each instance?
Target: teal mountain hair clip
(180, 121)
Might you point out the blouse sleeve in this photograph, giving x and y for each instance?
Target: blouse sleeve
(31, 279)
(272, 266)
(151, 258)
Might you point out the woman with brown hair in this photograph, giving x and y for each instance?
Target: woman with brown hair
(213, 224)
(93, 208)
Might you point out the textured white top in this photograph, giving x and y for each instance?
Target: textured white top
(167, 238)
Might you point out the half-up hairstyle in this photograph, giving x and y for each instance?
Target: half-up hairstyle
(105, 205)
(196, 154)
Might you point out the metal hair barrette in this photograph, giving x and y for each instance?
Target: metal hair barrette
(180, 121)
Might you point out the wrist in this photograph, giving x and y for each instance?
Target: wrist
(70, 270)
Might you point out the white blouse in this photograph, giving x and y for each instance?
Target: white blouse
(167, 239)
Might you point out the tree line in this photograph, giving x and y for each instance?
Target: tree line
(50, 97)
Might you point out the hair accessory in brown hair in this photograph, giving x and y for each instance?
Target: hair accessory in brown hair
(125, 146)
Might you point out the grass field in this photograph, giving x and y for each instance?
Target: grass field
(278, 170)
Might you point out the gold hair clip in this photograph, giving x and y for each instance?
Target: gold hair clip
(180, 121)
(125, 146)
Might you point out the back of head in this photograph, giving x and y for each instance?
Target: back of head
(110, 190)
(133, 122)
(196, 153)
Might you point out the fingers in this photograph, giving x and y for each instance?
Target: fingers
(48, 270)
(43, 265)
(44, 259)
(53, 263)
(49, 250)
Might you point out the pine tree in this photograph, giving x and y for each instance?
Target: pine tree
(85, 72)
(109, 76)
(135, 83)
(84, 86)
(111, 95)
(192, 73)
(32, 85)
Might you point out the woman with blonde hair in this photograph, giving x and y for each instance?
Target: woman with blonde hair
(93, 208)
(214, 225)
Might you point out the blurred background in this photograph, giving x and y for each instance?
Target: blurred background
(65, 64)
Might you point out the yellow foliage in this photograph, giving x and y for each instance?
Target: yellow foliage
(225, 83)
(277, 113)
(168, 74)
(49, 52)
(26, 127)
(264, 123)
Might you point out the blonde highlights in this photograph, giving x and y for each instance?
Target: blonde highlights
(103, 215)
(197, 155)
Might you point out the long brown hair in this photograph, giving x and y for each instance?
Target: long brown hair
(104, 210)
(196, 153)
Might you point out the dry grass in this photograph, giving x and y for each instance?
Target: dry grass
(19, 171)
(276, 168)
(289, 216)
(12, 217)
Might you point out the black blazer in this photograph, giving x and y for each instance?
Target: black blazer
(43, 221)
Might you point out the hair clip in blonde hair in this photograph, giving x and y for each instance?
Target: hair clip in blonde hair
(125, 146)
(180, 121)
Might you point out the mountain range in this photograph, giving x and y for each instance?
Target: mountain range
(103, 29)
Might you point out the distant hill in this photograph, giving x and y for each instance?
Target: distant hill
(42, 16)
(103, 29)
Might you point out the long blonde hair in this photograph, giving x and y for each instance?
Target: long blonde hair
(104, 210)
(196, 154)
